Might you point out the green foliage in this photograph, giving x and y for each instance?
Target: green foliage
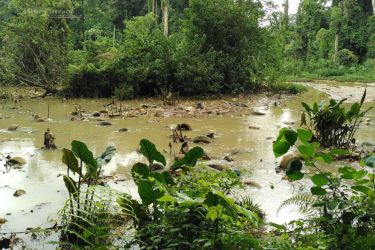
(34, 45)
(333, 124)
(346, 57)
(189, 210)
(340, 207)
(89, 217)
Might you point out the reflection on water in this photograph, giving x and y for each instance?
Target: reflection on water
(45, 192)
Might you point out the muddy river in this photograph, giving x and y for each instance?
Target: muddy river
(250, 148)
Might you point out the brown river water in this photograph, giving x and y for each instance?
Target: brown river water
(45, 191)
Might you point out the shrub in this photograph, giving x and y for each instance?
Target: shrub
(191, 210)
(340, 208)
(346, 57)
(333, 125)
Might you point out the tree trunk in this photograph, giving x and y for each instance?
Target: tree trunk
(155, 7)
(165, 7)
(336, 47)
(373, 7)
(286, 15)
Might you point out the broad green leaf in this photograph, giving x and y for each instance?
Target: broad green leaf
(149, 150)
(320, 180)
(147, 192)
(369, 161)
(307, 151)
(339, 151)
(281, 134)
(71, 185)
(327, 158)
(140, 171)
(280, 148)
(290, 136)
(168, 178)
(347, 172)
(304, 135)
(81, 151)
(106, 156)
(355, 109)
(190, 158)
(296, 176)
(362, 189)
(168, 198)
(70, 160)
(318, 191)
(307, 107)
(359, 174)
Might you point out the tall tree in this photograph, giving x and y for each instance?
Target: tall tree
(165, 10)
(36, 43)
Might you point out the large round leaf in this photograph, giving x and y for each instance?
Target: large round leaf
(149, 150)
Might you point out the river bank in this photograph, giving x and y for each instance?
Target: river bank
(240, 133)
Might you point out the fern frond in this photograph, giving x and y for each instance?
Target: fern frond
(303, 201)
(248, 203)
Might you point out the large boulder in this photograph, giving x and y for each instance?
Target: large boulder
(291, 163)
(16, 161)
(13, 128)
(202, 139)
(184, 126)
(104, 124)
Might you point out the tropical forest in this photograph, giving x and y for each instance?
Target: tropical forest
(187, 124)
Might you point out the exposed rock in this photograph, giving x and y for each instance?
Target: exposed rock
(123, 130)
(184, 126)
(218, 167)
(253, 127)
(96, 114)
(291, 163)
(5, 243)
(13, 128)
(16, 161)
(258, 113)
(41, 119)
(102, 124)
(252, 183)
(289, 123)
(19, 192)
(202, 139)
(235, 151)
(156, 166)
(211, 136)
(228, 158)
(199, 105)
(286, 159)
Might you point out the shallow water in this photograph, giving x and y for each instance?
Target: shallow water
(45, 192)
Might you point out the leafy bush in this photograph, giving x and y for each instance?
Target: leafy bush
(346, 58)
(326, 72)
(333, 125)
(90, 81)
(188, 211)
(340, 208)
(90, 215)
